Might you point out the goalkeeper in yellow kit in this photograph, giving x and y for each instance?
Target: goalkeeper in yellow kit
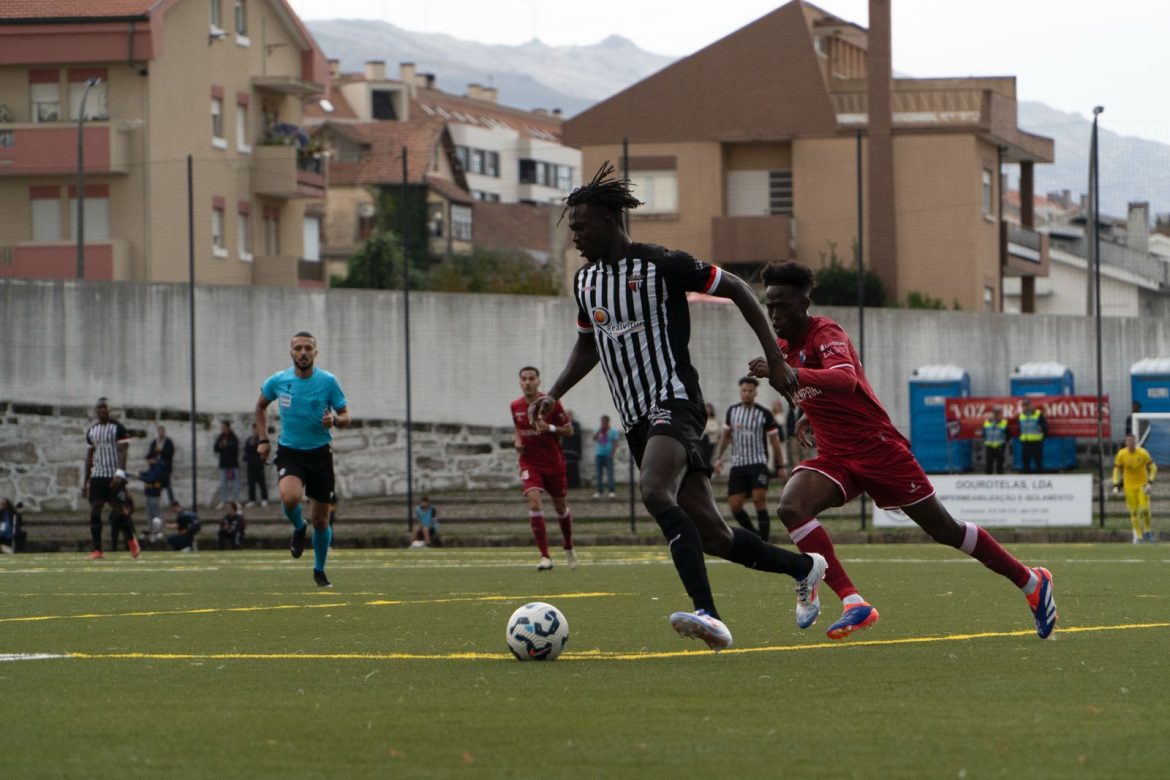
(1134, 469)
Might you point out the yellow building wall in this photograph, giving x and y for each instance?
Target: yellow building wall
(824, 199)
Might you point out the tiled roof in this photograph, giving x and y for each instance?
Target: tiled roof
(382, 163)
(449, 189)
(341, 107)
(74, 9)
(513, 226)
(481, 113)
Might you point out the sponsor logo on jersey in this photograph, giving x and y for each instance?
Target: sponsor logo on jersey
(635, 281)
(615, 330)
(659, 416)
(285, 400)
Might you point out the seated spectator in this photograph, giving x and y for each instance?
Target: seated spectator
(231, 528)
(187, 524)
(12, 535)
(426, 529)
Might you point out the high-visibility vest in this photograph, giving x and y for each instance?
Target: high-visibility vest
(1030, 426)
(994, 433)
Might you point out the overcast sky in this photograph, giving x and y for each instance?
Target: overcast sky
(1070, 55)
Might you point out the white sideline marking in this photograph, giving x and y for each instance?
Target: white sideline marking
(31, 656)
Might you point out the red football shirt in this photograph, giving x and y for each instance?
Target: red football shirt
(542, 451)
(843, 422)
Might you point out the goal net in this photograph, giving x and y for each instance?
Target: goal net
(1152, 430)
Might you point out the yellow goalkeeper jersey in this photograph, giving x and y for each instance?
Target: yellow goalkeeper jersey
(1136, 467)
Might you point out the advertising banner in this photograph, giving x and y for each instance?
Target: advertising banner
(1017, 500)
(1068, 415)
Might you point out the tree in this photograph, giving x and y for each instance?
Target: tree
(921, 300)
(489, 271)
(837, 284)
(378, 265)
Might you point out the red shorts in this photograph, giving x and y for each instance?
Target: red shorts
(890, 474)
(554, 482)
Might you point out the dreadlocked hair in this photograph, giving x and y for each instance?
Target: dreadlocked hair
(604, 192)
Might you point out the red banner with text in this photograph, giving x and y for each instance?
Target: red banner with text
(1068, 415)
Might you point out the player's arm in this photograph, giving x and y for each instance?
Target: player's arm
(780, 375)
(88, 469)
(778, 451)
(261, 416)
(724, 440)
(581, 361)
(338, 417)
(1151, 473)
(1117, 474)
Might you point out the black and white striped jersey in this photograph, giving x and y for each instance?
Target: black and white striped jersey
(750, 426)
(104, 439)
(637, 311)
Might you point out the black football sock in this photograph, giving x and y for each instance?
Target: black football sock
(742, 518)
(751, 551)
(95, 529)
(686, 548)
(765, 523)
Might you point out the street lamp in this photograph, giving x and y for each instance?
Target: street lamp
(89, 84)
(1095, 194)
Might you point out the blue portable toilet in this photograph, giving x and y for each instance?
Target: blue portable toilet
(930, 386)
(1060, 453)
(1150, 386)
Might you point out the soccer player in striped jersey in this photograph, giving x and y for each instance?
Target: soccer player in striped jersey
(633, 320)
(105, 477)
(860, 450)
(542, 466)
(750, 429)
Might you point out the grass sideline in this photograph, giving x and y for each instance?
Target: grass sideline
(234, 664)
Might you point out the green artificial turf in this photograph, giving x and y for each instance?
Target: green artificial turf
(235, 664)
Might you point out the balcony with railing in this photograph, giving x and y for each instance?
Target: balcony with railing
(106, 260)
(1025, 250)
(282, 171)
(50, 149)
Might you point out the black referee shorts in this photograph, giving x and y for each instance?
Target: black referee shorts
(742, 480)
(314, 468)
(682, 420)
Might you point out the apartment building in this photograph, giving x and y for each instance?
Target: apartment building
(219, 81)
(790, 138)
(508, 155)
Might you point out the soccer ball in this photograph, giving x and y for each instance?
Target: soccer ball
(537, 632)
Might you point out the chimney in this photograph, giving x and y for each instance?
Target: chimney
(375, 70)
(334, 68)
(475, 91)
(491, 94)
(406, 76)
(1137, 227)
(425, 80)
(557, 113)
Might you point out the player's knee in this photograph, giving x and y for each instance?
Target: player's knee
(790, 514)
(655, 495)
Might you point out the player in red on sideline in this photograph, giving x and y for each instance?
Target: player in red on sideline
(860, 450)
(542, 466)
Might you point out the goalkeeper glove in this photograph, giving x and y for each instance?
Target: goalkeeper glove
(1117, 490)
(1147, 488)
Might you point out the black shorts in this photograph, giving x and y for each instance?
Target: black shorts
(744, 479)
(314, 468)
(100, 491)
(682, 420)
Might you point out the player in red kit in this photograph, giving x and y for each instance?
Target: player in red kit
(542, 466)
(860, 450)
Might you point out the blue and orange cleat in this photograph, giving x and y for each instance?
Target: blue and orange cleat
(854, 618)
(1042, 604)
(700, 625)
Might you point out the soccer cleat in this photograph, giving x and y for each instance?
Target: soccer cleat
(545, 564)
(571, 558)
(700, 625)
(297, 546)
(321, 580)
(808, 597)
(96, 555)
(854, 618)
(1042, 604)
(1148, 537)
(135, 550)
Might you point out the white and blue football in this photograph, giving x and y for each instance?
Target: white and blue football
(537, 632)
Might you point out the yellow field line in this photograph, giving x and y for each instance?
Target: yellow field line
(587, 655)
(335, 605)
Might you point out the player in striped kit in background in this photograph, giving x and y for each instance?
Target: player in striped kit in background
(633, 319)
(750, 429)
(105, 478)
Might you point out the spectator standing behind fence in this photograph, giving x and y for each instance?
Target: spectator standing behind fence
(162, 451)
(571, 446)
(1033, 429)
(257, 478)
(227, 447)
(12, 535)
(152, 487)
(605, 443)
(231, 528)
(995, 439)
(426, 528)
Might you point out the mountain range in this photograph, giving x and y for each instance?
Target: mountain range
(572, 78)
